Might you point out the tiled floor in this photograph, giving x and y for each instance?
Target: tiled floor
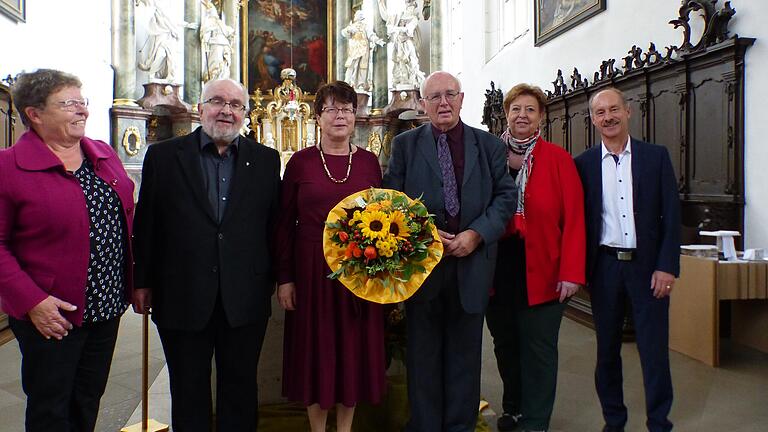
(733, 397)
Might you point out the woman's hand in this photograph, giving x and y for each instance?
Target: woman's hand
(142, 300)
(286, 295)
(566, 289)
(48, 320)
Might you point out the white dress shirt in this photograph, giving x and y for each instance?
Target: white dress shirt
(618, 207)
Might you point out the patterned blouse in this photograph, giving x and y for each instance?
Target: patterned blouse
(105, 287)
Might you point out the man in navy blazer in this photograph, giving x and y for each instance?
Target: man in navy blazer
(460, 174)
(633, 242)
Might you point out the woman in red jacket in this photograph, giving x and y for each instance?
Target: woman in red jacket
(66, 211)
(540, 264)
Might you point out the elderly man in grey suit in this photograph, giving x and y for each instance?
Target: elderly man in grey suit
(460, 173)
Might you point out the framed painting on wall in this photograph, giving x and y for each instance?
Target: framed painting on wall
(15, 9)
(277, 34)
(554, 17)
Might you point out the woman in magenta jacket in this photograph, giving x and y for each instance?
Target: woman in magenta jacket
(540, 264)
(66, 209)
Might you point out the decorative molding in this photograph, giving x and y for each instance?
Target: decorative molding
(715, 31)
(132, 141)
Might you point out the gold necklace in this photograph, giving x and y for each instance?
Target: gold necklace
(328, 173)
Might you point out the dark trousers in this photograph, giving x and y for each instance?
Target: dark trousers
(525, 343)
(189, 354)
(613, 282)
(65, 379)
(443, 359)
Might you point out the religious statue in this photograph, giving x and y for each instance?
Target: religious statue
(361, 43)
(158, 54)
(216, 40)
(402, 29)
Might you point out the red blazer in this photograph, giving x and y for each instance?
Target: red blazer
(555, 238)
(44, 226)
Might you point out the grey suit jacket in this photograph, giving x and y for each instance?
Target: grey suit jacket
(488, 200)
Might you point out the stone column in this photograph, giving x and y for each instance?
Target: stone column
(380, 58)
(232, 18)
(193, 59)
(343, 17)
(124, 52)
(436, 37)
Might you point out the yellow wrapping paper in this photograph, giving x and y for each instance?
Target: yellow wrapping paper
(373, 288)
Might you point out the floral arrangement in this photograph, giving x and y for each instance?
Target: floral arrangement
(381, 244)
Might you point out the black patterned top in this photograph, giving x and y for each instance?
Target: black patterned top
(105, 287)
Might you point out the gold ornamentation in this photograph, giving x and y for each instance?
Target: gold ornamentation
(386, 144)
(124, 102)
(132, 141)
(167, 90)
(374, 143)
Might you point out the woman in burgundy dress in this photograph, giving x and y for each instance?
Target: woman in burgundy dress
(334, 342)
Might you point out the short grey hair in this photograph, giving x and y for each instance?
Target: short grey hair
(32, 89)
(621, 94)
(424, 83)
(207, 88)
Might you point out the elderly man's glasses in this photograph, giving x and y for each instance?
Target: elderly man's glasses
(335, 111)
(450, 96)
(73, 105)
(221, 103)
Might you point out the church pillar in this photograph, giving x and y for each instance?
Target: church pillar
(193, 63)
(124, 52)
(436, 37)
(343, 17)
(380, 82)
(232, 18)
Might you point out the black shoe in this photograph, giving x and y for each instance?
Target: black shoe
(508, 422)
(607, 428)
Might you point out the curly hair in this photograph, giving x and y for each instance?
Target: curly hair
(32, 89)
(525, 90)
(337, 91)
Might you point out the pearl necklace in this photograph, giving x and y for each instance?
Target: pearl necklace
(328, 172)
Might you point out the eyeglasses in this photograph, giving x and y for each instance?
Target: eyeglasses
(450, 96)
(219, 103)
(72, 105)
(335, 111)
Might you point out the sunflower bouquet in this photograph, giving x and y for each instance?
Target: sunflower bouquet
(381, 244)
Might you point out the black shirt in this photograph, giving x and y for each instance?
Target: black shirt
(105, 286)
(218, 170)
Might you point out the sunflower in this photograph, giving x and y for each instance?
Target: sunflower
(374, 224)
(398, 226)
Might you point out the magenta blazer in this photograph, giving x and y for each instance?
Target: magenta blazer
(44, 226)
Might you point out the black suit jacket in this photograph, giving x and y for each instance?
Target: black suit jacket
(185, 256)
(656, 206)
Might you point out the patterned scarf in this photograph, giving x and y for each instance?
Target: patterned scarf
(523, 147)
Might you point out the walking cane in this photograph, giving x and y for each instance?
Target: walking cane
(147, 424)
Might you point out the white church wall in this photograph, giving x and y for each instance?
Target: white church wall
(610, 34)
(69, 35)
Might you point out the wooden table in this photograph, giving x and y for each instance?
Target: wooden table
(694, 315)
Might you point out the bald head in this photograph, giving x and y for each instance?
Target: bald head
(441, 99)
(209, 89)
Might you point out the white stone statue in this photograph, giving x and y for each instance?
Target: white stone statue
(360, 45)
(216, 40)
(158, 54)
(402, 29)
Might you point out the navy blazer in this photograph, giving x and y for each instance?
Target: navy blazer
(488, 200)
(656, 206)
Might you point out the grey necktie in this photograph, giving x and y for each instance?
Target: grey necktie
(450, 191)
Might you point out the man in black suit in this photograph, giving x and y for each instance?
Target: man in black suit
(206, 208)
(461, 176)
(633, 252)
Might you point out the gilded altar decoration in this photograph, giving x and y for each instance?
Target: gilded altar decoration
(132, 141)
(283, 118)
(381, 244)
